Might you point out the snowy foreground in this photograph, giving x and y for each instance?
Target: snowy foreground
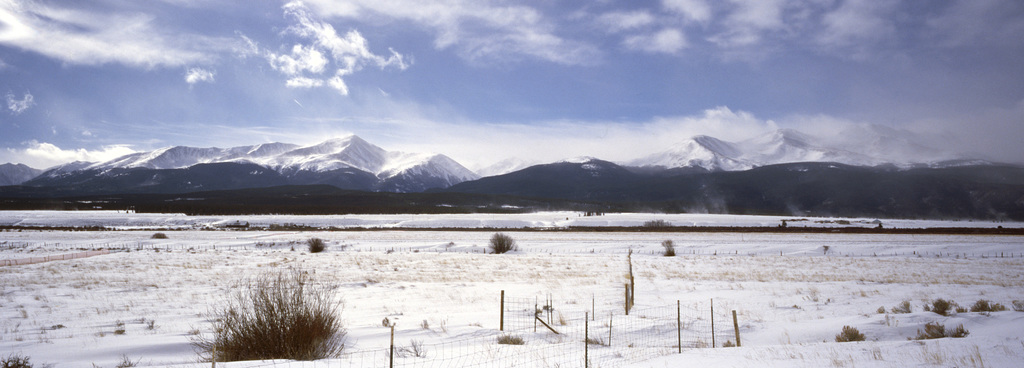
(146, 299)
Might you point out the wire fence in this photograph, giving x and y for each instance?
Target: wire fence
(549, 333)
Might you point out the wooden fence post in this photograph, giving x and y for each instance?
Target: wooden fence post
(391, 359)
(679, 328)
(627, 299)
(586, 340)
(713, 323)
(736, 327)
(501, 322)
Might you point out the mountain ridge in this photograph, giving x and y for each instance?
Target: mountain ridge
(346, 162)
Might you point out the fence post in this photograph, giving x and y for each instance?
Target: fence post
(679, 328)
(632, 283)
(536, 312)
(501, 322)
(610, 315)
(713, 323)
(627, 299)
(391, 359)
(586, 340)
(736, 327)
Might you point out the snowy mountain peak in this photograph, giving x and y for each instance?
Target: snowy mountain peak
(864, 147)
(349, 162)
(698, 152)
(579, 160)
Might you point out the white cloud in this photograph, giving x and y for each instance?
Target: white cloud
(480, 31)
(302, 59)
(43, 155)
(18, 106)
(94, 37)
(749, 21)
(621, 21)
(245, 46)
(695, 10)
(667, 41)
(326, 49)
(858, 25)
(303, 82)
(196, 75)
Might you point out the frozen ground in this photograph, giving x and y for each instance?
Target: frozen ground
(124, 220)
(791, 297)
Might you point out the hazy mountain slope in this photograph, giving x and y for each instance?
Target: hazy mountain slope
(14, 174)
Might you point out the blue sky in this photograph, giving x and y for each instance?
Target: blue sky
(485, 80)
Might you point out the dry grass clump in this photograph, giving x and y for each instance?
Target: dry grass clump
(1018, 305)
(849, 334)
(902, 308)
(511, 340)
(501, 243)
(983, 305)
(276, 316)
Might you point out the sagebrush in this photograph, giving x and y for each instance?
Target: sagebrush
(501, 243)
(670, 248)
(849, 334)
(15, 361)
(276, 316)
(316, 245)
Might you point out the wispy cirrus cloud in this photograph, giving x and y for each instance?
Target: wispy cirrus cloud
(87, 37)
(479, 31)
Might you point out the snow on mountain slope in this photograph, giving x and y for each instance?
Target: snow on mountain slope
(865, 146)
(787, 146)
(416, 170)
(332, 154)
(505, 166)
(700, 151)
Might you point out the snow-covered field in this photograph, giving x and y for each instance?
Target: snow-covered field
(790, 295)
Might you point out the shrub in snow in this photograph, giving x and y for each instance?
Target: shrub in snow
(501, 243)
(159, 236)
(276, 316)
(127, 362)
(958, 332)
(15, 361)
(983, 305)
(902, 308)
(849, 334)
(670, 248)
(940, 306)
(935, 330)
(511, 340)
(1018, 305)
(415, 349)
(316, 245)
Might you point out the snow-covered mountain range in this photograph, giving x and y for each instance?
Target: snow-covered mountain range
(789, 146)
(349, 162)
